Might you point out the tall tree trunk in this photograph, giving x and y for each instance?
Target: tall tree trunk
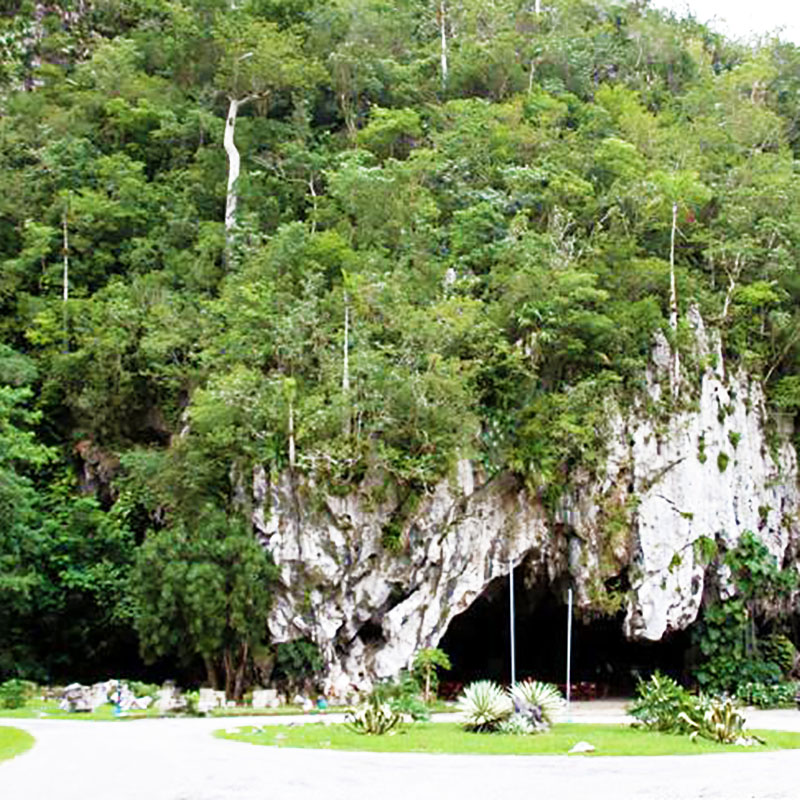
(443, 32)
(227, 663)
(346, 367)
(238, 686)
(211, 672)
(291, 435)
(673, 304)
(234, 166)
(65, 287)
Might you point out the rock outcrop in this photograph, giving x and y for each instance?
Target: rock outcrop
(719, 467)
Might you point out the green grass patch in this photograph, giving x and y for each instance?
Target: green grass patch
(13, 741)
(48, 709)
(609, 740)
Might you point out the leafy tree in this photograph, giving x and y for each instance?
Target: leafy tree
(201, 588)
(63, 560)
(426, 664)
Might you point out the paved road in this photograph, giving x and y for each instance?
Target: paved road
(179, 760)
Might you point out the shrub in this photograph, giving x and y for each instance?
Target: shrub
(297, 662)
(403, 696)
(661, 703)
(780, 650)
(545, 696)
(142, 689)
(767, 695)
(192, 708)
(15, 693)
(484, 706)
(372, 718)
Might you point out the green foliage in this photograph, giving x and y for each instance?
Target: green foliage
(661, 704)
(144, 689)
(484, 705)
(390, 132)
(403, 696)
(722, 461)
(425, 667)
(767, 695)
(721, 721)
(728, 656)
(732, 655)
(15, 693)
(373, 718)
(297, 661)
(779, 649)
(498, 243)
(705, 549)
(201, 588)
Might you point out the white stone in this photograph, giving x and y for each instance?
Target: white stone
(582, 747)
(265, 698)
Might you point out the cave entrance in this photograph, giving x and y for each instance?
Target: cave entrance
(603, 660)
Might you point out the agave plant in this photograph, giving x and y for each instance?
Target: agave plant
(484, 705)
(721, 721)
(373, 718)
(536, 694)
(517, 724)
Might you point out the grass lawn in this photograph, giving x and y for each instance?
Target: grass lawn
(49, 709)
(13, 741)
(609, 740)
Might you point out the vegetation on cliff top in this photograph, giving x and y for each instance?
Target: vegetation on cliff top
(450, 233)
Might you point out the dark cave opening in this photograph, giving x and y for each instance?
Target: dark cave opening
(478, 643)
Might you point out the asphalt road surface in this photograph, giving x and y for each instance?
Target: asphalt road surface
(178, 759)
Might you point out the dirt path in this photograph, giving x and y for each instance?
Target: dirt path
(180, 760)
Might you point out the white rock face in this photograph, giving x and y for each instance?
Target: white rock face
(710, 471)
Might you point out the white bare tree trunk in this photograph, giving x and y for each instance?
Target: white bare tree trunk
(65, 251)
(65, 278)
(673, 303)
(346, 366)
(234, 165)
(443, 31)
(292, 455)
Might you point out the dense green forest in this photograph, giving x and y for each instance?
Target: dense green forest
(338, 236)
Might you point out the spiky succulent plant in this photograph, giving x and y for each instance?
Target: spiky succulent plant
(545, 696)
(484, 705)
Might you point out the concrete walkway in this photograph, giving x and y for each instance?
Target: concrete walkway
(178, 759)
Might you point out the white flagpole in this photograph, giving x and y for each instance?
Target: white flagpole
(569, 646)
(511, 618)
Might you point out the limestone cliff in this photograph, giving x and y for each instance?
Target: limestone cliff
(715, 469)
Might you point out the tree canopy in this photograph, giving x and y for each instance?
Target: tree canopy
(452, 231)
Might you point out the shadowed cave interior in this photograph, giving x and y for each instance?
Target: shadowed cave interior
(477, 642)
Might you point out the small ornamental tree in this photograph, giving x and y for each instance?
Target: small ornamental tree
(202, 588)
(426, 662)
